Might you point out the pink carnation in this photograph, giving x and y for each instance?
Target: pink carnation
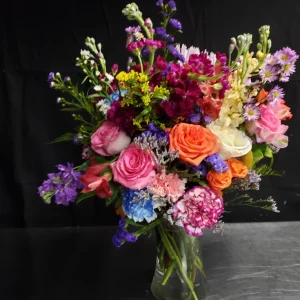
(200, 208)
(168, 186)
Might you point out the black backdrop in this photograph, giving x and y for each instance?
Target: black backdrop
(39, 37)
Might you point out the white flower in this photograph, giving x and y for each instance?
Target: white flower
(186, 52)
(109, 77)
(233, 142)
(97, 73)
(103, 107)
(85, 53)
(98, 88)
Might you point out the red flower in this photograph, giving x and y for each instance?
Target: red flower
(94, 182)
(210, 106)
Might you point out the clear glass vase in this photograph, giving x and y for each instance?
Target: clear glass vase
(179, 273)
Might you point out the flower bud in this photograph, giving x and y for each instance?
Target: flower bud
(98, 88)
(148, 23)
(109, 77)
(269, 44)
(233, 40)
(259, 55)
(97, 73)
(259, 46)
(218, 86)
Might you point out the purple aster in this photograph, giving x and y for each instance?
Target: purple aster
(218, 164)
(175, 24)
(64, 185)
(269, 73)
(175, 52)
(288, 69)
(251, 112)
(172, 5)
(286, 55)
(276, 94)
(122, 235)
(160, 2)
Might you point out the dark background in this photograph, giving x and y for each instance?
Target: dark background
(39, 37)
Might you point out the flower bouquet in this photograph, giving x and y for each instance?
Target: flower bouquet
(165, 139)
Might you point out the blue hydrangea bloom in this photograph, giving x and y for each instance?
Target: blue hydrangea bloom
(137, 207)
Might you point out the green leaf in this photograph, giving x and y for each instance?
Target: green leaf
(83, 166)
(64, 138)
(257, 155)
(115, 189)
(85, 196)
(202, 183)
(269, 153)
(95, 95)
(265, 170)
(100, 160)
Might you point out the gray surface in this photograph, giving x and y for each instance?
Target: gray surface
(251, 261)
(254, 261)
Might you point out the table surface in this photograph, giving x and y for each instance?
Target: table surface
(250, 261)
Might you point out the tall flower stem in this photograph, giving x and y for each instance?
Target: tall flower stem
(174, 257)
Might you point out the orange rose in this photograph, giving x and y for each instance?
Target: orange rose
(219, 181)
(193, 142)
(237, 168)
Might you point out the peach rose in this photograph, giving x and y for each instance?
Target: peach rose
(109, 139)
(193, 142)
(219, 181)
(237, 168)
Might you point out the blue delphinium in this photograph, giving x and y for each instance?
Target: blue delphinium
(138, 205)
(63, 185)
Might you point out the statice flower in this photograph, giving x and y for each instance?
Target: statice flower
(175, 53)
(161, 31)
(122, 235)
(175, 24)
(218, 164)
(138, 205)
(251, 112)
(64, 185)
(199, 208)
(202, 169)
(276, 94)
(167, 186)
(250, 182)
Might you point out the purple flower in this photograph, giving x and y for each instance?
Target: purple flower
(202, 168)
(276, 94)
(50, 78)
(250, 182)
(122, 235)
(286, 55)
(217, 163)
(159, 133)
(195, 118)
(160, 2)
(63, 185)
(172, 5)
(251, 112)
(175, 53)
(161, 31)
(207, 119)
(269, 73)
(67, 78)
(175, 24)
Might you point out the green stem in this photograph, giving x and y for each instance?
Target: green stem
(151, 60)
(168, 272)
(147, 228)
(173, 256)
(141, 63)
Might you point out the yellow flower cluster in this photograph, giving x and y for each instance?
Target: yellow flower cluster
(131, 76)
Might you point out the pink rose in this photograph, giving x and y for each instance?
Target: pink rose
(109, 139)
(281, 110)
(268, 128)
(135, 168)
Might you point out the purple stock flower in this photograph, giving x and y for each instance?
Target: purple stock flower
(172, 5)
(64, 185)
(217, 163)
(122, 235)
(175, 53)
(175, 24)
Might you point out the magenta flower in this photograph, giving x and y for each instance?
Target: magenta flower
(200, 208)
